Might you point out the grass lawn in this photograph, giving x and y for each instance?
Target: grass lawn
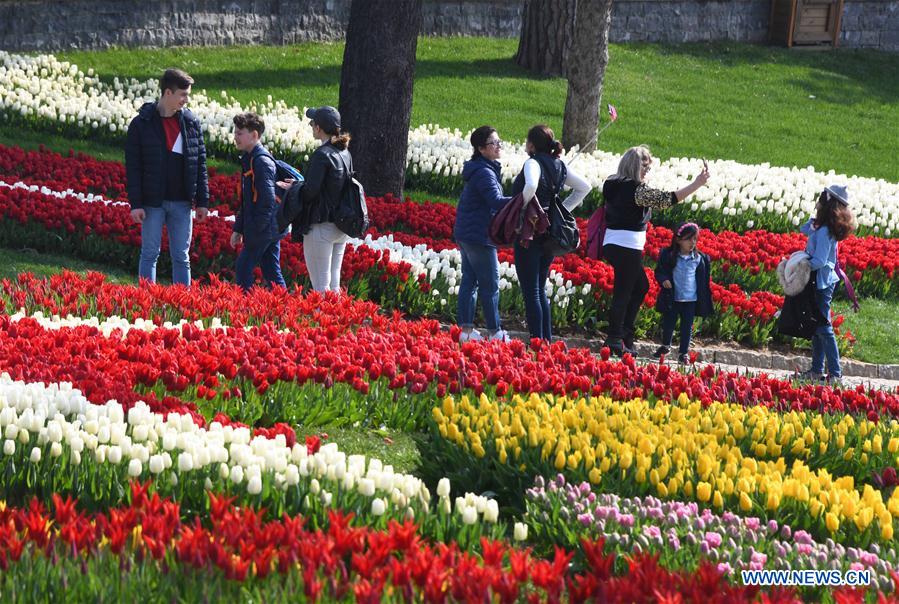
(13, 262)
(876, 328)
(398, 449)
(832, 110)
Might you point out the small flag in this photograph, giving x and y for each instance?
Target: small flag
(613, 113)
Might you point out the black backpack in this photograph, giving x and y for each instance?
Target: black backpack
(351, 213)
(289, 202)
(563, 236)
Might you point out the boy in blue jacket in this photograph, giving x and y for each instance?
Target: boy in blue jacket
(256, 224)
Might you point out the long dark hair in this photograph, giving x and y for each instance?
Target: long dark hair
(544, 141)
(684, 230)
(835, 215)
(479, 138)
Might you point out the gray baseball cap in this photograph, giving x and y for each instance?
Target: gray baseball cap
(327, 118)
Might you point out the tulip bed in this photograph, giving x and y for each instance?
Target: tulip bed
(44, 93)
(418, 273)
(785, 465)
(70, 440)
(149, 433)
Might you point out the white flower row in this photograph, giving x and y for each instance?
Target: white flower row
(43, 88)
(58, 415)
(444, 269)
(110, 324)
(83, 197)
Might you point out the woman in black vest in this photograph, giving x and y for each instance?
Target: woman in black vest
(629, 203)
(538, 181)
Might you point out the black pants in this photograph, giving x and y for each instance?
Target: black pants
(631, 286)
(686, 311)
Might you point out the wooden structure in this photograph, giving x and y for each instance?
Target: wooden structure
(805, 22)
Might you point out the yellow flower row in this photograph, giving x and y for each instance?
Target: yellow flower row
(723, 453)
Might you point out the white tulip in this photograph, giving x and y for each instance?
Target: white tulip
(237, 474)
(35, 455)
(469, 515)
(378, 506)
(443, 487)
(254, 485)
(134, 468)
(520, 531)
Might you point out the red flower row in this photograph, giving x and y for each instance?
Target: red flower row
(85, 174)
(347, 561)
(94, 296)
(753, 251)
(413, 356)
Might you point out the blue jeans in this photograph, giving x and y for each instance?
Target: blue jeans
(532, 268)
(264, 254)
(824, 342)
(480, 279)
(686, 311)
(176, 216)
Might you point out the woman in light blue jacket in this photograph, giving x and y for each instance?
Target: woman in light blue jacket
(832, 223)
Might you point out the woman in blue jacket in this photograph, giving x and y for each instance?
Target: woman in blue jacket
(482, 197)
(832, 223)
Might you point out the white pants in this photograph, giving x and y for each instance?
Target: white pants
(323, 248)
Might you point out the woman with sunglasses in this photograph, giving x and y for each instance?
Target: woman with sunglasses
(629, 202)
(482, 197)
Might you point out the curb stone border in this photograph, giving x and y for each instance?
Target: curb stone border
(758, 359)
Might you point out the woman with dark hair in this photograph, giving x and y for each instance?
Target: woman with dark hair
(327, 173)
(629, 203)
(832, 223)
(482, 197)
(541, 178)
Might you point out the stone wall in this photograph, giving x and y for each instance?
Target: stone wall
(694, 21)
(870, 24)
(33, 25)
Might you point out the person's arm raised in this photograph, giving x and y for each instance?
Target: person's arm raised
(694, 186)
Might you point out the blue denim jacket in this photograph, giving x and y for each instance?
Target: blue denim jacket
(685, 277)
(822, 248)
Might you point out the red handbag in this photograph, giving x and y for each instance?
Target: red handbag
(511, 224)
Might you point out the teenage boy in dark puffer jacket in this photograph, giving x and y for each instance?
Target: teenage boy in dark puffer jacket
(165, 166)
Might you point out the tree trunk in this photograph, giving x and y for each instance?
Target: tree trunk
(547, 29)
(376, 89)
(586, 68)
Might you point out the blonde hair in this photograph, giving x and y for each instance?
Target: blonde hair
(631, 164)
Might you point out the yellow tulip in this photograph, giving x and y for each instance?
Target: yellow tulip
(832, 522)
(560, 461)
(595, 476)
(717, 500)
(478, 450)
(745, 502)
(448, 406)
(703, 491)
(886, 532)
(893, 447)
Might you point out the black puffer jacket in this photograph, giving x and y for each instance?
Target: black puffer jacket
(326, 178)
(145, 152)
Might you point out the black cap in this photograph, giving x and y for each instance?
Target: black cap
(327, 118)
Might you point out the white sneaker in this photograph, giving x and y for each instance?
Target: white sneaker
(470, 336)
(500, 335)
